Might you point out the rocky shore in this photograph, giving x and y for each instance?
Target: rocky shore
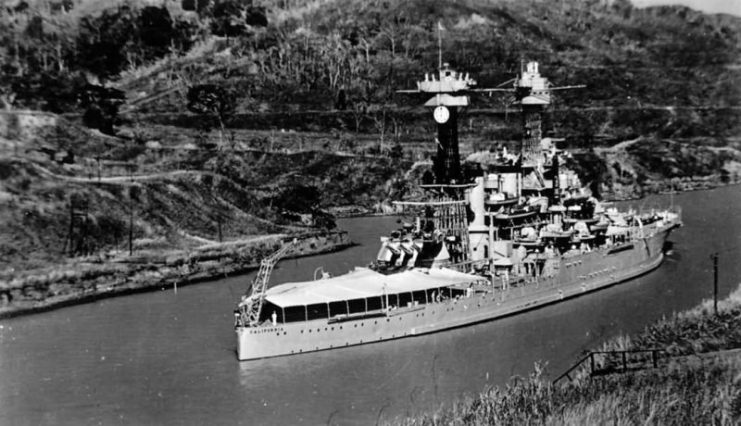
(86, 279)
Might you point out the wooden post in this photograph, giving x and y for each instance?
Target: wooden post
(219, 225)
(715, 282)
(653, 357)
(591, 362)
(131, 226)
(131, 211)
(625, 363)
(71, 226)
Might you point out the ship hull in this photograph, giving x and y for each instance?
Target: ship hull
(573, 276)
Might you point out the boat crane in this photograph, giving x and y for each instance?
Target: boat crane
(249, 309)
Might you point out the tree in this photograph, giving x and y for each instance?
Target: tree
(228, 18)
(232, 18)
(198, 6)
(104, 42)
(101, 107)
(156, 31)
(126, 37)
(298, 198)
(212, 100)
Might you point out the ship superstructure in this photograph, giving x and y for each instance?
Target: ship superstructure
(522, 234)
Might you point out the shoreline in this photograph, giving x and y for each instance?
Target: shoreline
(699, 365)
(84, 282)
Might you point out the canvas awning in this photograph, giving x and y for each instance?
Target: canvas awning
(616, 230)
(362, 283)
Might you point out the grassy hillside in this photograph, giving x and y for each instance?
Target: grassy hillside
(177, 195)
(698, 382)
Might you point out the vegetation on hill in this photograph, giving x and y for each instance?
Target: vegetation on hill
(175, 200)
(301, 97)
(315, 55)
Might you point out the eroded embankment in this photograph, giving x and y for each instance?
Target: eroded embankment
(89, 279)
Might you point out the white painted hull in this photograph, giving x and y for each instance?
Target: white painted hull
(576, 275)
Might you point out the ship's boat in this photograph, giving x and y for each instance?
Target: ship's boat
(516, 214)
(523, 234)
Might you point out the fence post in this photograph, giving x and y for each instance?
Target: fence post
(714, 256)
(653, 357)
(591, 361)
(625, 363)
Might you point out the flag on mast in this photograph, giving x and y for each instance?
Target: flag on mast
(440, 29)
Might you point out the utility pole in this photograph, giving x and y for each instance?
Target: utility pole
(97, 158)
(218, 216)
(131, 225)
(131, 212)
(71, 225)
(714, 256)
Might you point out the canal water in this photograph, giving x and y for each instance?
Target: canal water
(169, 358)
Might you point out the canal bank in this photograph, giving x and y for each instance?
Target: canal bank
(697, 380)
(92, 278)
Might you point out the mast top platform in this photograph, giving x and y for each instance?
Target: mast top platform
(448, 81)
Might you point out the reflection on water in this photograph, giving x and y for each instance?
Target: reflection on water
(163, 358)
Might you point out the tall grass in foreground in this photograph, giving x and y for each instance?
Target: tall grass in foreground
(688, 390)
(680, 394)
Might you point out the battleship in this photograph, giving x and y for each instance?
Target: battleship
(522, 234)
